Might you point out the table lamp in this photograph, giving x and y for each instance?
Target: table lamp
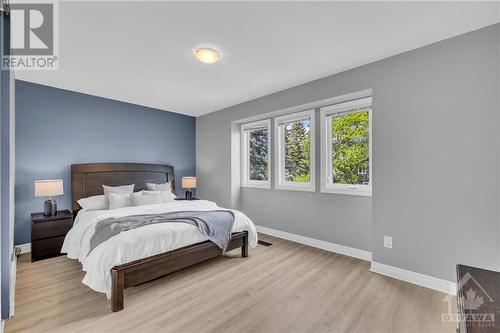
(49, 188)
(189, 183)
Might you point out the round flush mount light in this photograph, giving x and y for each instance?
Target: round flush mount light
(206, 55)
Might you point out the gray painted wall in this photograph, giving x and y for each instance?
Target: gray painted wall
(436, 149)
(56, 128)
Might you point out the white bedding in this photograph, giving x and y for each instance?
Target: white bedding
(137, 243)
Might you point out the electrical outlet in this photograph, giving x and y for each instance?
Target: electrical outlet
(388, 242)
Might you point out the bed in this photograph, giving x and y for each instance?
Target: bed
(147, 253)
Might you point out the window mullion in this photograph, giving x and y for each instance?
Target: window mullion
(282, 153)
(329, 150)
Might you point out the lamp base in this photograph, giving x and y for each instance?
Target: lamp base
(50, 208)
(189, 194)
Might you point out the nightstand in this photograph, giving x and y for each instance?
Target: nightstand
(48, 232)
(180, 199)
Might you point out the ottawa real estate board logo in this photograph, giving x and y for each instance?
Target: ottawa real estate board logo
(474, 303)
(34, 36)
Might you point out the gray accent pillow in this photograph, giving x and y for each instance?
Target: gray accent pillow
(125, 189)
(166, 196)
(119, 200)
(159, 187)
(140, 199)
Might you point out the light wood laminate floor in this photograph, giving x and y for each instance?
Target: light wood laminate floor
(287, 287)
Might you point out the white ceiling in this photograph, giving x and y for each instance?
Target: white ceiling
(142, 52)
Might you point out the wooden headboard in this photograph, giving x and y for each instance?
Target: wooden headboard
(87, 179)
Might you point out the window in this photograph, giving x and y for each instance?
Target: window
(256, 154)
(346, 148)
(294, 138)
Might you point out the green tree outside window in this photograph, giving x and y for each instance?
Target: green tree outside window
(350, 148)
(297, 151)
(259, 155)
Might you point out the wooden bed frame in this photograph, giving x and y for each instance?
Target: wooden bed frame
(87, 180)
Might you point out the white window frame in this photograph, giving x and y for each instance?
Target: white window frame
(326, 184)
(279, 151)
(245, 166)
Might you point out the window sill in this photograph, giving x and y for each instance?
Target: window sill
(346, 191)
(289, 187)
(265, 185)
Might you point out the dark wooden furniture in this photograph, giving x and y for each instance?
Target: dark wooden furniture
(147, 269)
(184, 199)
(48, 232)
(87, 180)
(478, 297)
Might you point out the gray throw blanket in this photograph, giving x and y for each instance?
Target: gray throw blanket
(216, 225)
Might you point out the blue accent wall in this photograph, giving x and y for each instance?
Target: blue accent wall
(5, 143)
(56, 128)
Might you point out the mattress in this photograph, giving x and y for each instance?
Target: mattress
(137, 243)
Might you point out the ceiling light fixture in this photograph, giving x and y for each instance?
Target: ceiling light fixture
(206, 55)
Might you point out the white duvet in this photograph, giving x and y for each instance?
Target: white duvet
(137, 243)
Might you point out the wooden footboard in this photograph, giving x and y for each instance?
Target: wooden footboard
(150, 268)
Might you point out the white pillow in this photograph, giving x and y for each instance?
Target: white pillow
(119, 200)
(93, 203)
(159, 187)
(125, 189)
(140, 199)
(166, 196)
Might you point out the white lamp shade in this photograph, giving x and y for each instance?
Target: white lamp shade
(48, 188)
(188, 182)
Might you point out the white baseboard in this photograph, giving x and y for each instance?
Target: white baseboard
(327, 246)
(13, 275)
(427, 281)
(25, 248)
